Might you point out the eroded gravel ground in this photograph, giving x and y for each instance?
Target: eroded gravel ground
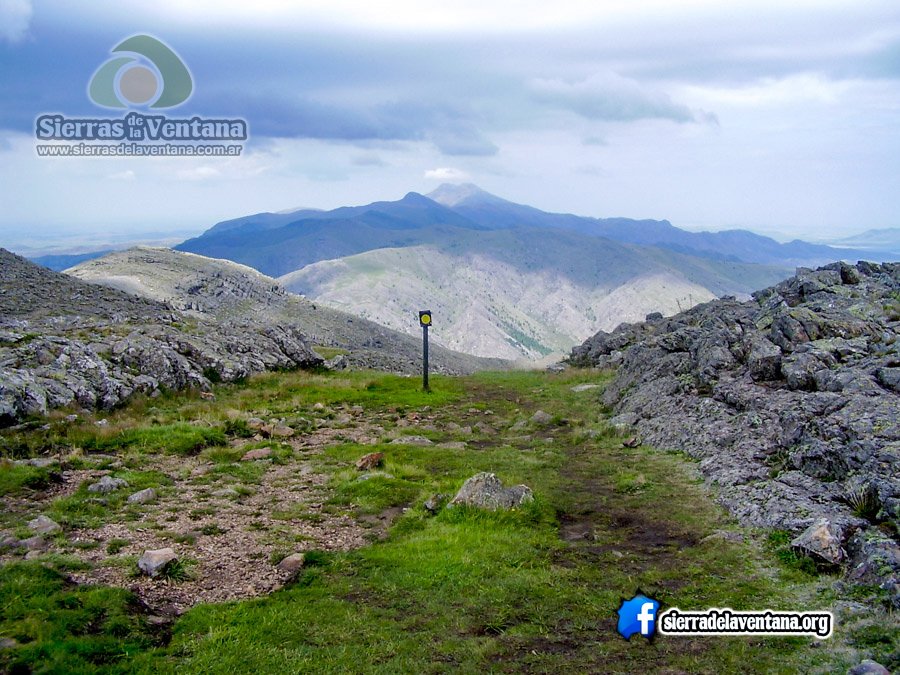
(229, 533)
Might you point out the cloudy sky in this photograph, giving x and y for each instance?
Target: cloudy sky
(772, 116)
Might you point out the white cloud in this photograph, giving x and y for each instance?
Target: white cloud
(447, 174)
(804, 88)
(608, 96)
(128, 174)
(199, 173)
(15, 17)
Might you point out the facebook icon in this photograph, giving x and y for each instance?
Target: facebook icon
(638, 615)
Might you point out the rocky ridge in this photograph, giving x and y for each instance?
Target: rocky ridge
(790, 401)
(221, 291)
(64, 341)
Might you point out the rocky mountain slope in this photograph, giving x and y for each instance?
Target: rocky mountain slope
(220, 290)
(64, 341)
(790, 401)
(509, 294)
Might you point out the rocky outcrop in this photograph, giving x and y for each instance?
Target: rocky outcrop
(790, 401)
(68, 342)
(214, 291)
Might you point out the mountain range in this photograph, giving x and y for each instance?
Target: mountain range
(504, 279)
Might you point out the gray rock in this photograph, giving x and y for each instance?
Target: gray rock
(44, 525)
(339, 362)
(256, 453)
(541, 418)
(453, 445)
(780, 451)
(154, 562)
(578, 388)
(764, 361)
(8, 643)
(868, 667)
(434, 502)
(889, 378)
(412, 440)
(8, 541)
(229, 493)
(291, 565)
(143, 496)
(823, 539)
(35, 543)
(485, 490)
(799, 370)
(107, 484)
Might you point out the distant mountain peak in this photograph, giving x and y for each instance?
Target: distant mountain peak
(450, 195)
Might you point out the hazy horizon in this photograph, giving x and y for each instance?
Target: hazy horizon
(781, 120)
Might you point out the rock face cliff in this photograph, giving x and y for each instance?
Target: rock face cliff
(64, 341)
(790, 401)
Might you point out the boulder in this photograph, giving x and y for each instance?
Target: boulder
(412, 440)
(143, 496)
(154, 562)
(291, 565)
(541, 418)
(578, 388)
(764, 360)
(868, 667)
(43, 525)
(485, 490)
(370, 462)
(107, 484)
(258, 453)
(823, 540)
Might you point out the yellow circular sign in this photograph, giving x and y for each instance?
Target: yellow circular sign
(426, 319)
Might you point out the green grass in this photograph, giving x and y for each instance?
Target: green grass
(87, 509)
(15, 478)
(466, 590)
(63, 628)
(179, 439)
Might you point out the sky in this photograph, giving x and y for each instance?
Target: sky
(779, 117)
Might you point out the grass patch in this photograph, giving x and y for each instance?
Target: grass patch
(180, 438)
(16, 478)
(61, 627)
(88, 509)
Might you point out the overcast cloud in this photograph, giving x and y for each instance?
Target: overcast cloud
(713, 115)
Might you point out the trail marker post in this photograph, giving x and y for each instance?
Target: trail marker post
(425, 322)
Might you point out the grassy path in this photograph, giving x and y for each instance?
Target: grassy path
(533, 590)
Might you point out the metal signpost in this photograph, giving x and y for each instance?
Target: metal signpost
(425, 322)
